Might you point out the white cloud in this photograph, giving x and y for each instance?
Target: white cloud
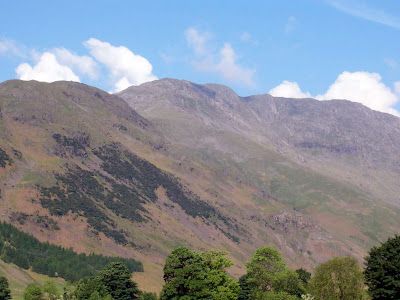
(126, 67)
(10, 47)
(290, 24)
(246, 37)
(222, 61)
(391, 63)
(197, 40)
(363, 87)
(230, 69)
(83, 64)
(47, 69)
(288, 89)
(397, 87)
(361, 10)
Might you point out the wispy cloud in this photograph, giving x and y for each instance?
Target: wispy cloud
(362, 10)
(223, 61)
(10, 47)
(290, 25)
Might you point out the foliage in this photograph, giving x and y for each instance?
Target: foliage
(382, 273)
(114, 282)
(78, 191)
(269, 277)
(75, 145)
(127, 166)
(89, 287)
(272, 295)
(304, 275)
(33, 292)
(148, 296)
(5, 293)
(27, 252)
(4, 159)
(51, 291)
(340, 278)
(193, 275)
(245, 288)
(48, 291)
(129, 182)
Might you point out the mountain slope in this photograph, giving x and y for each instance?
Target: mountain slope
(353, 140)
(335, 162)
(195, 165)
(81, 169)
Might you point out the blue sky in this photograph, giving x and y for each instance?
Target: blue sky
(326, 49)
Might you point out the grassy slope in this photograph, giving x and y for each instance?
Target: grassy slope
(19, 279)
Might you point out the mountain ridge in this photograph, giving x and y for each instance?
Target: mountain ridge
(338, 126)
(173, 163)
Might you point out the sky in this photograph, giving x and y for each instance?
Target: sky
(325, 49)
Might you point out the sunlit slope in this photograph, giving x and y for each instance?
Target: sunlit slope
(194, 165)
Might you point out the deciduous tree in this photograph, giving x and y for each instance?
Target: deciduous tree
(269, 277)
(192, 275)
(33, 292)
(340, 278)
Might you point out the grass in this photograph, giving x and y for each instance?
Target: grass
(19, 279)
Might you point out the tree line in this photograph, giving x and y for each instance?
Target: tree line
(27, 252)
(192, 275)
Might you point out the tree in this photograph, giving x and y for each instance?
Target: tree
(269, 277)
(304, 275)
(50, 290)
(5, 293)
(86, 287)
(340, 278)
(245, 288)
(117, 282)
(69, 291)
(148, 296)
(33, 292)
(192, 275)
(95, 296)
(382, 272)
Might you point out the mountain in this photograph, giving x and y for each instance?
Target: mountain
(347, 136)
(171, 163)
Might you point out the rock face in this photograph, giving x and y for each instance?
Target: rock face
(173, 163)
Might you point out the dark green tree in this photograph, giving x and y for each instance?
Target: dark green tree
(382, 272)
(340, 278)
(27, 252)
(304, 275)
(117, 282)
(193, 275)
(5, 293)
(33, 292)
(245, 288)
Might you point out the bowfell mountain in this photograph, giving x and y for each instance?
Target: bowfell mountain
(171, 163)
